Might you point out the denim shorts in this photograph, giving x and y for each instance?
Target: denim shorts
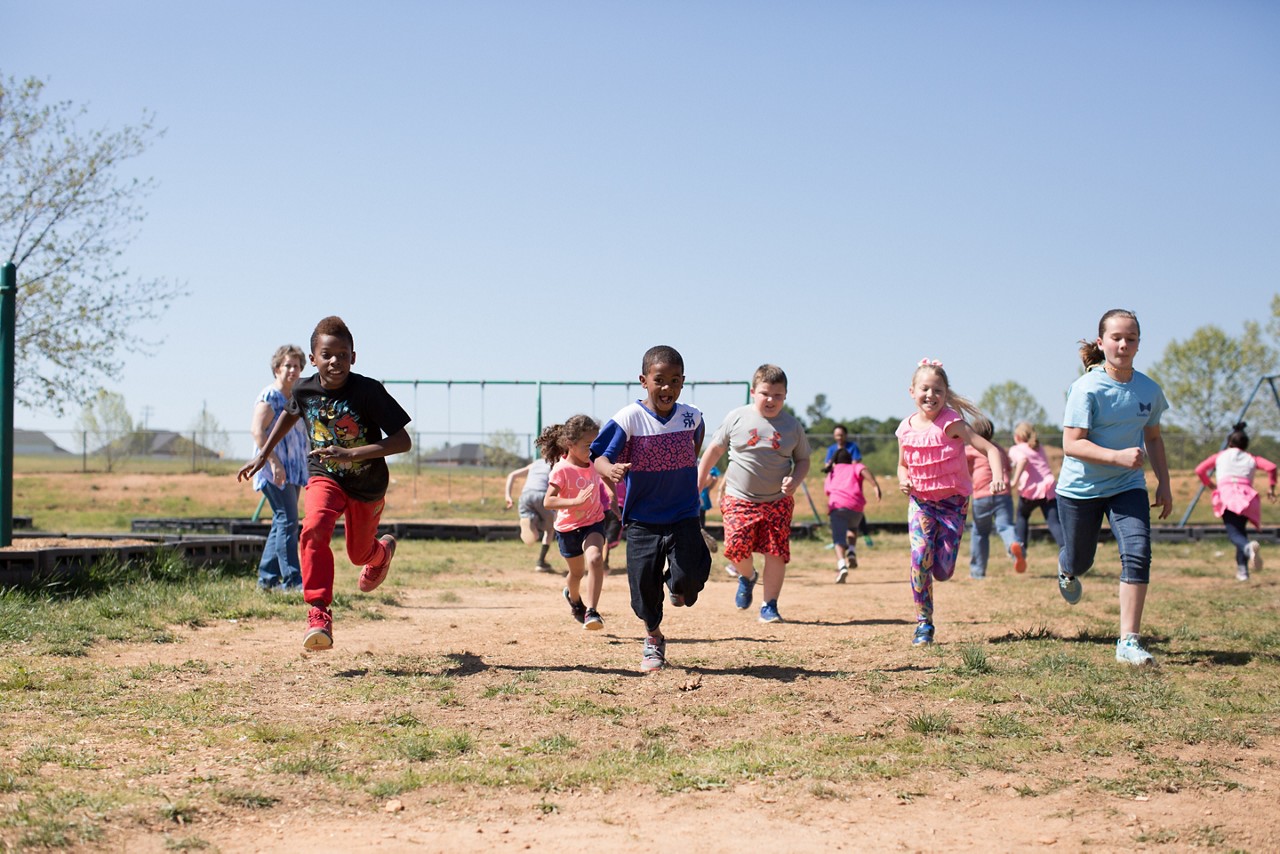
(1130, 516)
(572, 543)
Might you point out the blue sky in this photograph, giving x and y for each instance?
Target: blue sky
(542, 190)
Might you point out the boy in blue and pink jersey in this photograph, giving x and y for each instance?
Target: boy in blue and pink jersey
(652, 445)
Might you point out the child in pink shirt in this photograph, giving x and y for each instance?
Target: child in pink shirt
(1235, 500)
(845, 503)
(933, 473)
(1033, 479)
(573, 491)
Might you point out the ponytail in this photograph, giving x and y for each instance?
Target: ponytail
(1238, 438)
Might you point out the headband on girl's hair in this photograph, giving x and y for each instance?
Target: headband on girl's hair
(930, 363)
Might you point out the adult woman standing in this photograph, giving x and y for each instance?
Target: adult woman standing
(286, 473)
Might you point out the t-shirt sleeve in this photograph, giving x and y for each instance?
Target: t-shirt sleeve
(802, 446)
(1159, 405)
(1079, 411)
(831, 452)
(609, 442)
(721, 436)
(388, 412)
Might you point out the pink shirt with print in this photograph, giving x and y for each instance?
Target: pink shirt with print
(569, 481)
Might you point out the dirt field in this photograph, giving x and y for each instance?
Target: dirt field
(841, 665)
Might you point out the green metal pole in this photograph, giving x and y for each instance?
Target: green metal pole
(8, 324)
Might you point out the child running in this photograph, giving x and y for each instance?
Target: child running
(933, 473)
(846, 499)
(1235, 501)
(989, 509)
(353, 424)
(768, 460)
(537, 523)
(574, 492)
(1110, 428)
(1033, 478)
(653, 446)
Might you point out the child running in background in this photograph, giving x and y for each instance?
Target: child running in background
(768, 460)
(846, 499)
(989, 508)
(1235, 501)
(537, 523)
(933, 473)
(653, 446)
(353, 424)
(574, 492)
(1033, 478)
(1111, 426)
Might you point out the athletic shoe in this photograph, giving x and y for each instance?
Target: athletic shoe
(745, 586)
(677, 599)
(1129, 651)
(371, 576)
(713, 545)
(543, 567)
(853, 560)
(593, 622)
(1019, 557)
(842, 572)
(1242, 574)
(923, 635)
(866, 538)
(655, 654)
(319, 629)
(1069, 587)
(1255, 555)
(977, 573)
(578, 609)
(730, 571)
(769, 612)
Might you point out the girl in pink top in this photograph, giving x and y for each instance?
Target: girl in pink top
(932, 471)
(1033, 478)
(1234, 499)
(845, 503)
(573, 491)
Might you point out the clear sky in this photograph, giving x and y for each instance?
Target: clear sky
(543, 190)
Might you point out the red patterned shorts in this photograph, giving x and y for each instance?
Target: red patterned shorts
(750, 527)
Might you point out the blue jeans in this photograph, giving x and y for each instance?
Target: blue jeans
(1048, 506)
(1130, 517)
(279, 565)
(994, 510)
(1238, 534)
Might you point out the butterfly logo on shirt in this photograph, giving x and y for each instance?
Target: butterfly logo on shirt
(1144, 407)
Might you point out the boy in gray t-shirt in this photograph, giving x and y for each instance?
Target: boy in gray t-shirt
(768, 461)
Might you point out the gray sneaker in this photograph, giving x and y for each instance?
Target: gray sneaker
(1130, 651)
(655, 654)
(1069, 587)
(1255, 555)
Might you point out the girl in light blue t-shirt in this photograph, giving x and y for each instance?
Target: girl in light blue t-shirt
(1110, 429)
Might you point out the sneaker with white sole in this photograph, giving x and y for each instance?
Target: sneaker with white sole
(593, 621)
(769, 612)
(654, 655)
(1019, 557)
(1242, 573)
(745, 587)
(371, 576)
(1069, 587)
(1130, 651)
(319, 633)
(1255, 555)
(842, 572)
(923, 635)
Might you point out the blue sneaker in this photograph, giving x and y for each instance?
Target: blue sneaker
(745, 586)
(769, 612)
(1069, 587)
(923, 635)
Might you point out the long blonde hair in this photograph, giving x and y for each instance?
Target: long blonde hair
(954, 400)
(1025, 432)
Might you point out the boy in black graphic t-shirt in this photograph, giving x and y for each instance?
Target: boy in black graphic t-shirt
(353, 424)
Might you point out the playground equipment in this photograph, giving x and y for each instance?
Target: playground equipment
(1271, 382)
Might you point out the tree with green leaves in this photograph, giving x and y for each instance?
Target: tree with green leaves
(66, 217)
(108, 427)
(1209, 376)
(1008, 403)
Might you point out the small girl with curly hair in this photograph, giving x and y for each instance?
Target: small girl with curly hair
(932, 471)
(1235, 501)
(573, 491)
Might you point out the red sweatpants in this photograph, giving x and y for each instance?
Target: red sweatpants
(325, 503)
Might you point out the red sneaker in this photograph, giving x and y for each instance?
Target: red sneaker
(319, 629)
(1019, 557)
(371, 576)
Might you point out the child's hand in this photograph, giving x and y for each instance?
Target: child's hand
(1164, 500)
(330, 452)
(252, 467)
(998, 487)
(616, 471)
(904, 486)
(508, 507)
(584, 496)
(1130, 458)
(789, 485)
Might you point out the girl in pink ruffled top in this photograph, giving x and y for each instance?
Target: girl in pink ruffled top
(1234, 498)
(932, 471)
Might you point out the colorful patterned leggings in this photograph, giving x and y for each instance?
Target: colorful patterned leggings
(935, 528)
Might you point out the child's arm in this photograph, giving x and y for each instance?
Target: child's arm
(283, 425)
(961, 430)
(1270, 468)
(610, 471)
(1206, 466)
(511, 479)
(554, 501)
(1018, 468)
(706, 463)
(799, 472)
(904, 476)
(1076, 443)
(1155, 450)
(866, 472)
(263, 416)
(397, 443)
